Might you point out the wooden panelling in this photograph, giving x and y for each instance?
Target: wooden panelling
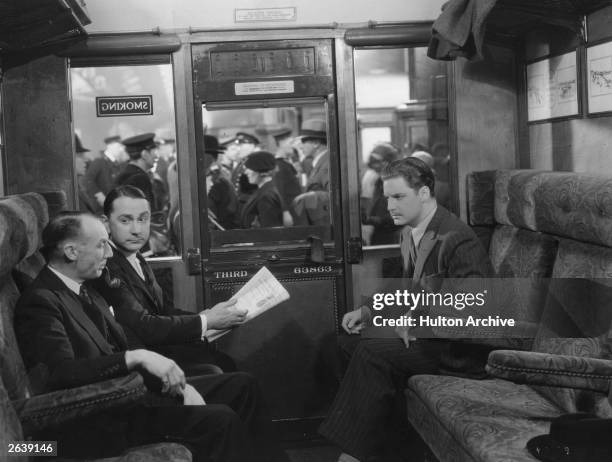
(580, 145)
(38, 130)
(486, 115)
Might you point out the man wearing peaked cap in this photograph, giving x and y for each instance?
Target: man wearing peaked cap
(222, 198)
(246, 138)
(142, 152)
(101, 174)
(135, 144)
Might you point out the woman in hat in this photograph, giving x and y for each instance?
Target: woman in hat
(264, 208)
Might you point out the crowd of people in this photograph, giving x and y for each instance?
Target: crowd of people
(248, 185)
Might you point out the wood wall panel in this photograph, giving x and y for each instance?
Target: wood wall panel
(38, 128)
(486, 115)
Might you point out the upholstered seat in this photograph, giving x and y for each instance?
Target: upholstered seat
(555, 230)
(484, 420)
(22, 411)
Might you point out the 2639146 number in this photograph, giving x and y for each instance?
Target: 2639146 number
(32, 448)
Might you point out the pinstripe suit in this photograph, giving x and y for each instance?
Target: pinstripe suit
(359, 418)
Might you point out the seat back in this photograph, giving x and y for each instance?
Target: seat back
(22, 219)
(557, 225)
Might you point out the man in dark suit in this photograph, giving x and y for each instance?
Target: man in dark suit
(435, 245)
(137, 172)
(312, 207)
(100, 176)
(65, 328)
(138, 299)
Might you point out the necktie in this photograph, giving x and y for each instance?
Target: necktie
(412, 250)
(408, 251)
(85, 295)
(138, 267)
(93, 311)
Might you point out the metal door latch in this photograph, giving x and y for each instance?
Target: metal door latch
(194, 262)
(354, 250)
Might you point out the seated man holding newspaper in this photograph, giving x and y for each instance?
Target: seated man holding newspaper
(140, 307)
(68, 337)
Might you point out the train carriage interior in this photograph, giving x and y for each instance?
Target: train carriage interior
(272, 129)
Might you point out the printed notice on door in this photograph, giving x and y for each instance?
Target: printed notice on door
(265, 14)
(264, 88)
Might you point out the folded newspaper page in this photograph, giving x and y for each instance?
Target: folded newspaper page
(258, 295)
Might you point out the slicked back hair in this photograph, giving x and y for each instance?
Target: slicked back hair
(414, 171)
(62, 227)
(122, 191)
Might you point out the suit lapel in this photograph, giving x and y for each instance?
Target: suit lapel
(428, 242)
(73, 305)
(316, 171)
(133, 277)
(115, 329)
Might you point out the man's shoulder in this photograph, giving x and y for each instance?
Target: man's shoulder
(44, 288)
(451, 224)
(118, 266)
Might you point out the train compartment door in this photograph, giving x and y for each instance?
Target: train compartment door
(279, 210)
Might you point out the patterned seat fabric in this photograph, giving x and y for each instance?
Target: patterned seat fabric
(477, 420)
(544, 225)
(22, 219)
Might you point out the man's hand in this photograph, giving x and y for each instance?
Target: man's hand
(352, 321)
(403, 332)
(224, 315)
(171, 376)
(191, 397)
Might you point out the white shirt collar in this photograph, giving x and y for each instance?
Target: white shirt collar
(132, 260)
(419, 230)
(135, 262)
(70, 283)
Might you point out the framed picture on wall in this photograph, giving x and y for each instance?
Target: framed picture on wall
(552, 88)
(599, 77)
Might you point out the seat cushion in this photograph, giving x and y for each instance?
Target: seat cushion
(577, 319)
(156, 453)
(477, 420)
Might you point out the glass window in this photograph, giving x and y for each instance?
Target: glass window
(266, 168)
(111, 104)
(401, 105)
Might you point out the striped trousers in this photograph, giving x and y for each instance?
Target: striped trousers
(360, 416)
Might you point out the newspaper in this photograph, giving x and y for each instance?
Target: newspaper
(258, 295)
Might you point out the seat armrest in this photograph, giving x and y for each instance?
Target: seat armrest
(62, 406)
(549, 369)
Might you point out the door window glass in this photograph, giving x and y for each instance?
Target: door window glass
(111, 105)
(401, 111)
(267, 171)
